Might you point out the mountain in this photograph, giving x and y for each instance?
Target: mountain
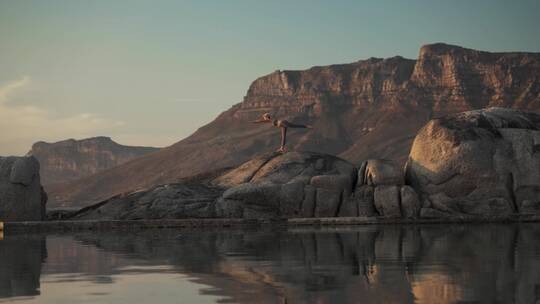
(71, 159)
(367, 109)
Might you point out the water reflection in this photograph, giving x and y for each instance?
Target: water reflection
(371, 264)
(20, 265)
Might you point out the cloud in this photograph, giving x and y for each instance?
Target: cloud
(12, 86)
(22, 125)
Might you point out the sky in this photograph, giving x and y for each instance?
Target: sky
(152, 72)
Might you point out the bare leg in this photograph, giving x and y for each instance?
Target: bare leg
(283, 139)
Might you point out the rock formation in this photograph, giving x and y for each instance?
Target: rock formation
(21, 196)
(71, 159)
(478, 163)
(275, 185)
(367, 109)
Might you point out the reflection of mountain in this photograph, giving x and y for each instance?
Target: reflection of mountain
(20, 265)
(370, 264)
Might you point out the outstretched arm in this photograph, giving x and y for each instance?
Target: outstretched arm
(260, 120)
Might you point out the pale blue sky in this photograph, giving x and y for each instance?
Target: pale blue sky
(152, 72)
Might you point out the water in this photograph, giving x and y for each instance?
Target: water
(369, 264)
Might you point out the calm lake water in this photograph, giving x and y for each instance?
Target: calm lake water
(369, 264)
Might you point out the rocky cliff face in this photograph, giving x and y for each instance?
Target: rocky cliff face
(367, 109)
(73, 159)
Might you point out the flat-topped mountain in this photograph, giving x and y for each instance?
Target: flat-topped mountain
(72, 159)
(367, 109)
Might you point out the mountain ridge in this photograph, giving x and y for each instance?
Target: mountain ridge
(72, 159)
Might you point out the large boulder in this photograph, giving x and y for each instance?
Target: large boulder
(294, 184)
(483, 163)
(21, 196)
(282, 168)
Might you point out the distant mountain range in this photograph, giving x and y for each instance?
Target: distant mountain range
(367, 109)
(71, 159)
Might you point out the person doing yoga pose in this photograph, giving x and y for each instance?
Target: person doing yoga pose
(283, 125)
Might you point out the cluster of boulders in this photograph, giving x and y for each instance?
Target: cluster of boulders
(21, 196)
(301, 184)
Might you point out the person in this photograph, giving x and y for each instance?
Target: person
(283, 125)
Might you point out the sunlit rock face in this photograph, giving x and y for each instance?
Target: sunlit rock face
(366, 109)
(482, 163)
(22, 197)
(73, 159)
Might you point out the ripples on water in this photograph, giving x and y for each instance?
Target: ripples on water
(369, 264)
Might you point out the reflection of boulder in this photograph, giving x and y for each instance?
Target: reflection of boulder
(479, 163)
(20, 265)
(21, 196)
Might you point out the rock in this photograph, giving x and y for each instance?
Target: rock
(410, 204)
(281, 168)
(387, 201)
(291, 199)
(21, 196)
(24, 171)
(338, 183)
(481, 163)
(530, 207)
(349, 207)
(308, 204)
(171, 201)
(327, 203)
(431, 213)
(245, 172)
(293, 184)
(378, 172)
(226, 208)
(365, 200)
